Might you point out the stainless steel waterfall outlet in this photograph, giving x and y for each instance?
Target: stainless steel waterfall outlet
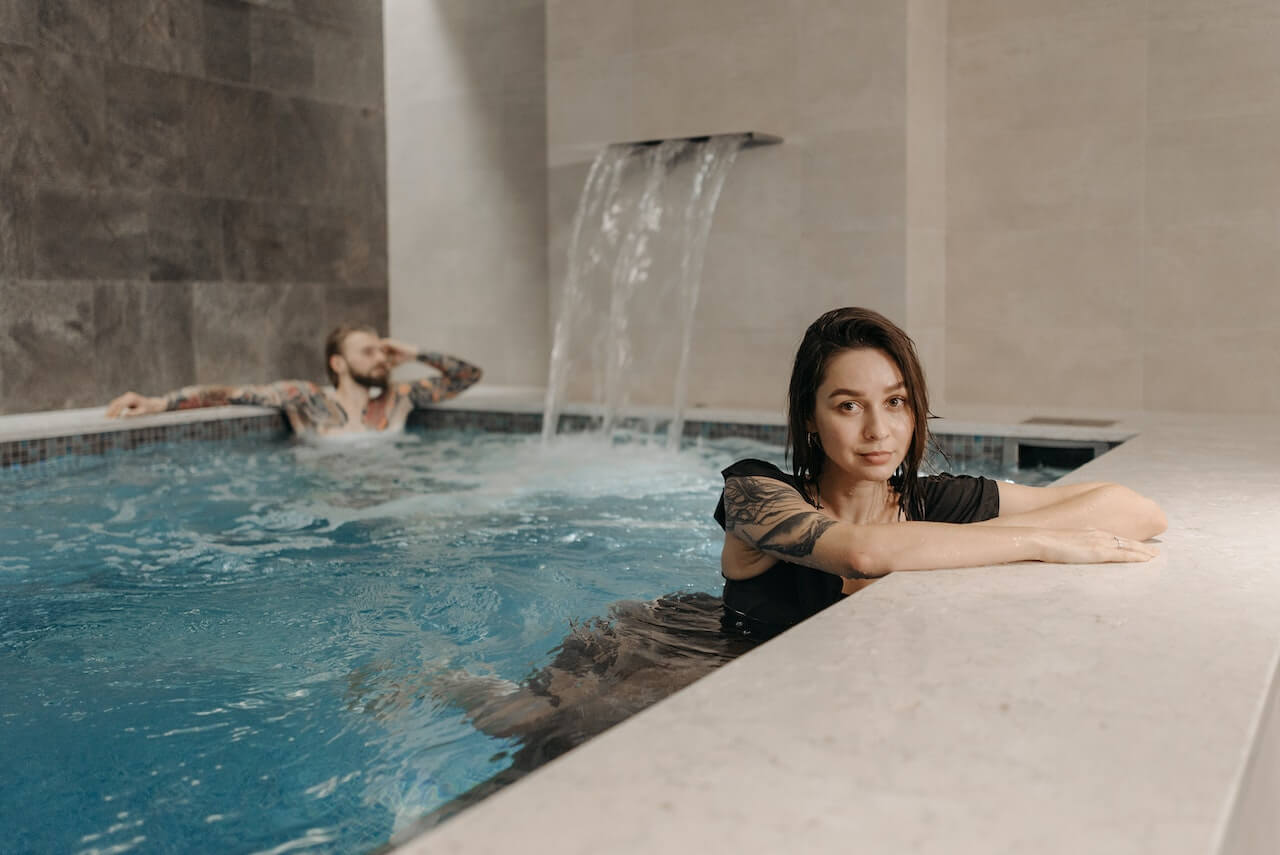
(568, 154)
(754, 139)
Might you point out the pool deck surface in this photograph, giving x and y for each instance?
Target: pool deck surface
(1022, 708)
(92, 420)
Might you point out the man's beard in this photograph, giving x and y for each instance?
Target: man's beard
(372, 381)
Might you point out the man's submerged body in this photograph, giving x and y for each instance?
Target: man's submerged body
(360, 366)
(312, 409)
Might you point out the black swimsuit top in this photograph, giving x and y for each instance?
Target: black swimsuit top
(786, 593)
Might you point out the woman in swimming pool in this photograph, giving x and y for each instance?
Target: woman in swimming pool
(853, 509)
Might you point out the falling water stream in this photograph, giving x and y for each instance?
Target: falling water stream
(634, 270)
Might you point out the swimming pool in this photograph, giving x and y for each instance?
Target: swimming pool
(226, 643)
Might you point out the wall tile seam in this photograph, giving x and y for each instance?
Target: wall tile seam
(140, 207)
(80, 280)
(1049, 325)
(318, 24)
(368, 106)
(1270, 111)
(225, 282)
(1144, 219)
(1217, 18)
(330, 23)
(41, 50)
(279, 201)
(510, 95)
(1139, 20)
(327, 26)
(970, 231)
(969, 128)
(11, 43)
(1101, 37)
(727, 36)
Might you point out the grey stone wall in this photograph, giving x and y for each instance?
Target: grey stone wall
(190, 191)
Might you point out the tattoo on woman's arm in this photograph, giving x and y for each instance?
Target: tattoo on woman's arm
(764, 504)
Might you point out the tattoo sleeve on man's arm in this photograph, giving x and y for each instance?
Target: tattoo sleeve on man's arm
(762, 510)
(456, 376)
(273, 395)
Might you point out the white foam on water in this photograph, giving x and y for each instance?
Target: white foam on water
(475, 476)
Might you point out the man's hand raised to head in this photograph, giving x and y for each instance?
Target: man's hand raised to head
(133, 404)
(398, 352)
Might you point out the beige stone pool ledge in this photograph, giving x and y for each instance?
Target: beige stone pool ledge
(1028, 708)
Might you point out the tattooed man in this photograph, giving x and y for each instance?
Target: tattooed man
(359, 363)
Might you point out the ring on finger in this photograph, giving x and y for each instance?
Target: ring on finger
(1119, 542)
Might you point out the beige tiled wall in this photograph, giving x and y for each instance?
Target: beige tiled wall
(817, 222)
(1114, 204)
(1066, 203)
(467, 189)
(1046, 157)
(926, 200)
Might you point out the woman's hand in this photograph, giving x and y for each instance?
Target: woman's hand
(1091, 546)
(133, 404)
(1112, 507)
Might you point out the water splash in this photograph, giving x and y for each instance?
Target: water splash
(598, 205)
(715, 160)
(634, 269)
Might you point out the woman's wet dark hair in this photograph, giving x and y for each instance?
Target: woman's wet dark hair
(835, 332)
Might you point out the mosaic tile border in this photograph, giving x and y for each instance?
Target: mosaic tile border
(964, 448)
(958, 448)
(24, 452)
(493, 421)
(506, 422)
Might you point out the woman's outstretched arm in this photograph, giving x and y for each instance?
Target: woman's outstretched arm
(771, 517)
(1109, 507)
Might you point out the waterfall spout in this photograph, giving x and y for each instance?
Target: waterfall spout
(630, 293)
(715, 159)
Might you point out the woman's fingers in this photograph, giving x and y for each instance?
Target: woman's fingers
(1145, 551)
(1096, 547)
(1127, 549)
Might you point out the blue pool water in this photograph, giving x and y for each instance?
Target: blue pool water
(189, 634)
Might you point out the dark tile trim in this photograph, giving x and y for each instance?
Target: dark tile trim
(24, 452)
(957, 447)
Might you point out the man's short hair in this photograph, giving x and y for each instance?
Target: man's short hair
(333, 345)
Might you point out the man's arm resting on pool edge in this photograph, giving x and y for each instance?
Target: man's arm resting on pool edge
(192, 397)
